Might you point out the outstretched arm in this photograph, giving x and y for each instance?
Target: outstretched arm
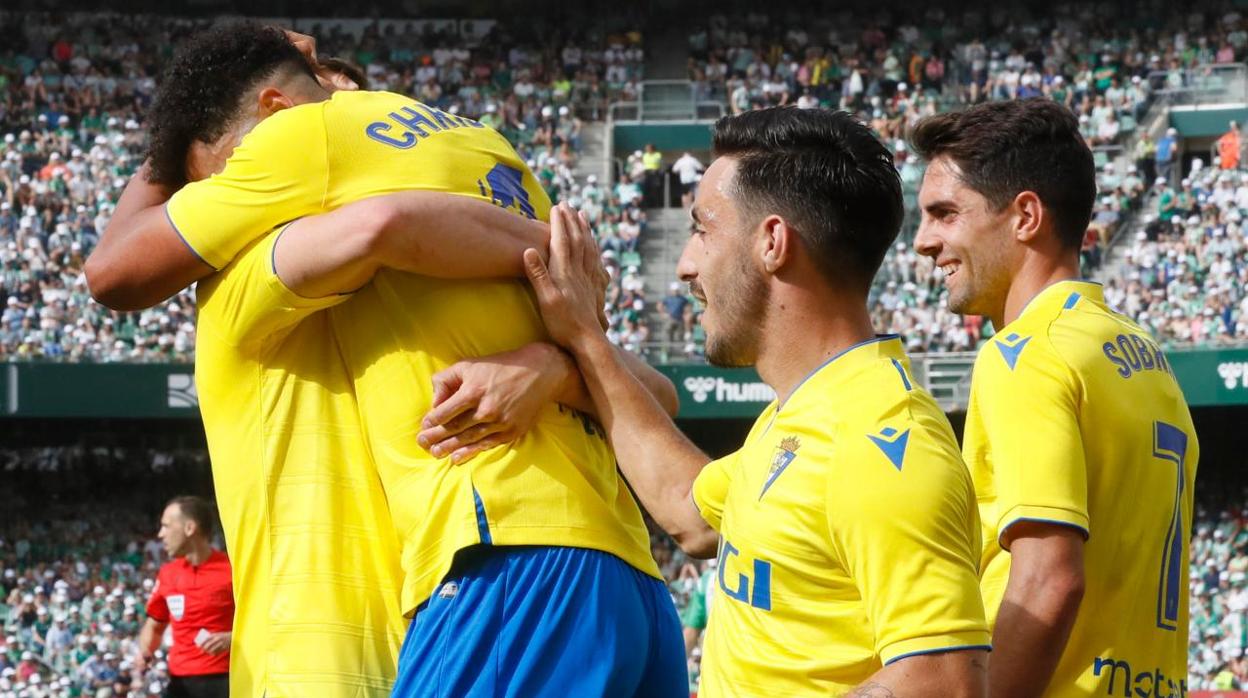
(432, 233)
(659, 462)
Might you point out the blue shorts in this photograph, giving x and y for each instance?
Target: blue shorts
(531, 622)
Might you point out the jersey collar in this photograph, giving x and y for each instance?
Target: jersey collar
(1066, 294)
(883, 346)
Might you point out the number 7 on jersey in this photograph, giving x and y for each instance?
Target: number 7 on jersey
(1170, 445)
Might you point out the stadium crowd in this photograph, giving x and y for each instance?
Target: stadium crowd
(73, 588)
(74, 591)
(1218, 658)
(78, 560)
(1186, 271)
(72, 96)
(893, 71)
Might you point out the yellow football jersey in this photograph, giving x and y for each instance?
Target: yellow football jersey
(1075, 418)
(849, 535)
(558, 485)
(314, 552)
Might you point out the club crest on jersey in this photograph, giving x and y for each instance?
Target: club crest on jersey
(784, 455)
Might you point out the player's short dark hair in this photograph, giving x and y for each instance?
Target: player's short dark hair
(199, 510)
(1005, 148)
(827, 175)
(200, 93)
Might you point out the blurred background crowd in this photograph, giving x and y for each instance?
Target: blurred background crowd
(1167, 238)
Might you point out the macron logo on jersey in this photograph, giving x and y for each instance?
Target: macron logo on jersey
(1011, 347)
(892, 444)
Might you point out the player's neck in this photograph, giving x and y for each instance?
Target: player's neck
(199, 553)
(1032, 278)
(803, 330)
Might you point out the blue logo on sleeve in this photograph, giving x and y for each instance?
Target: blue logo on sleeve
(503, 186)
(1011, 347)
(893, 444)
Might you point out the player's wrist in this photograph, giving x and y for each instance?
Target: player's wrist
(588, 346)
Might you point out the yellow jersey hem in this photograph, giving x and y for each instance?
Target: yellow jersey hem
(1042, 514)
(424, 586)
(950, 642)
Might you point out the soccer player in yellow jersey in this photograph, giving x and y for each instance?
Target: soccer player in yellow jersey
(847, 565)
(317, 556)
(533, 547)
(1077, 435)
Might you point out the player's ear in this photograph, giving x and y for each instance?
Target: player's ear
(271, 100)
(1029, 216)
(778, 241)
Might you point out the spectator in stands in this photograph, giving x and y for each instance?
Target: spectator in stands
(652, 166)
(1229, 148)
(1167, 151)
(689, 169)
(674, 318)
(1107, 131)
(193, 594)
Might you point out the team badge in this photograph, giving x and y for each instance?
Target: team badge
(784, 455)
(177, 605)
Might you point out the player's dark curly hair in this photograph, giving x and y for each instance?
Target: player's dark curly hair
(199, 95)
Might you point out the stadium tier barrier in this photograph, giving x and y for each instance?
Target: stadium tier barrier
(1209, 377)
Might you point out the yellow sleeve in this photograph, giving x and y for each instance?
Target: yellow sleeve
(906, 534)
(277, 174)
(1030, 417)
(710, 490)
(247, 302)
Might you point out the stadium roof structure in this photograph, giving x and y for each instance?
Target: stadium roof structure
(644, 9)
(323, 8)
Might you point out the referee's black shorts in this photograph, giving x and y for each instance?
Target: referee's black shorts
(205, 686)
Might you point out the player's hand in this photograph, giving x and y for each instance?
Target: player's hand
(571, 286)
(203, 160)
(216, 643)
(306, 45)
(482, 403)
(140, 663)
(331, 80)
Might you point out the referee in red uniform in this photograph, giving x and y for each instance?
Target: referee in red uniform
(193, 592)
